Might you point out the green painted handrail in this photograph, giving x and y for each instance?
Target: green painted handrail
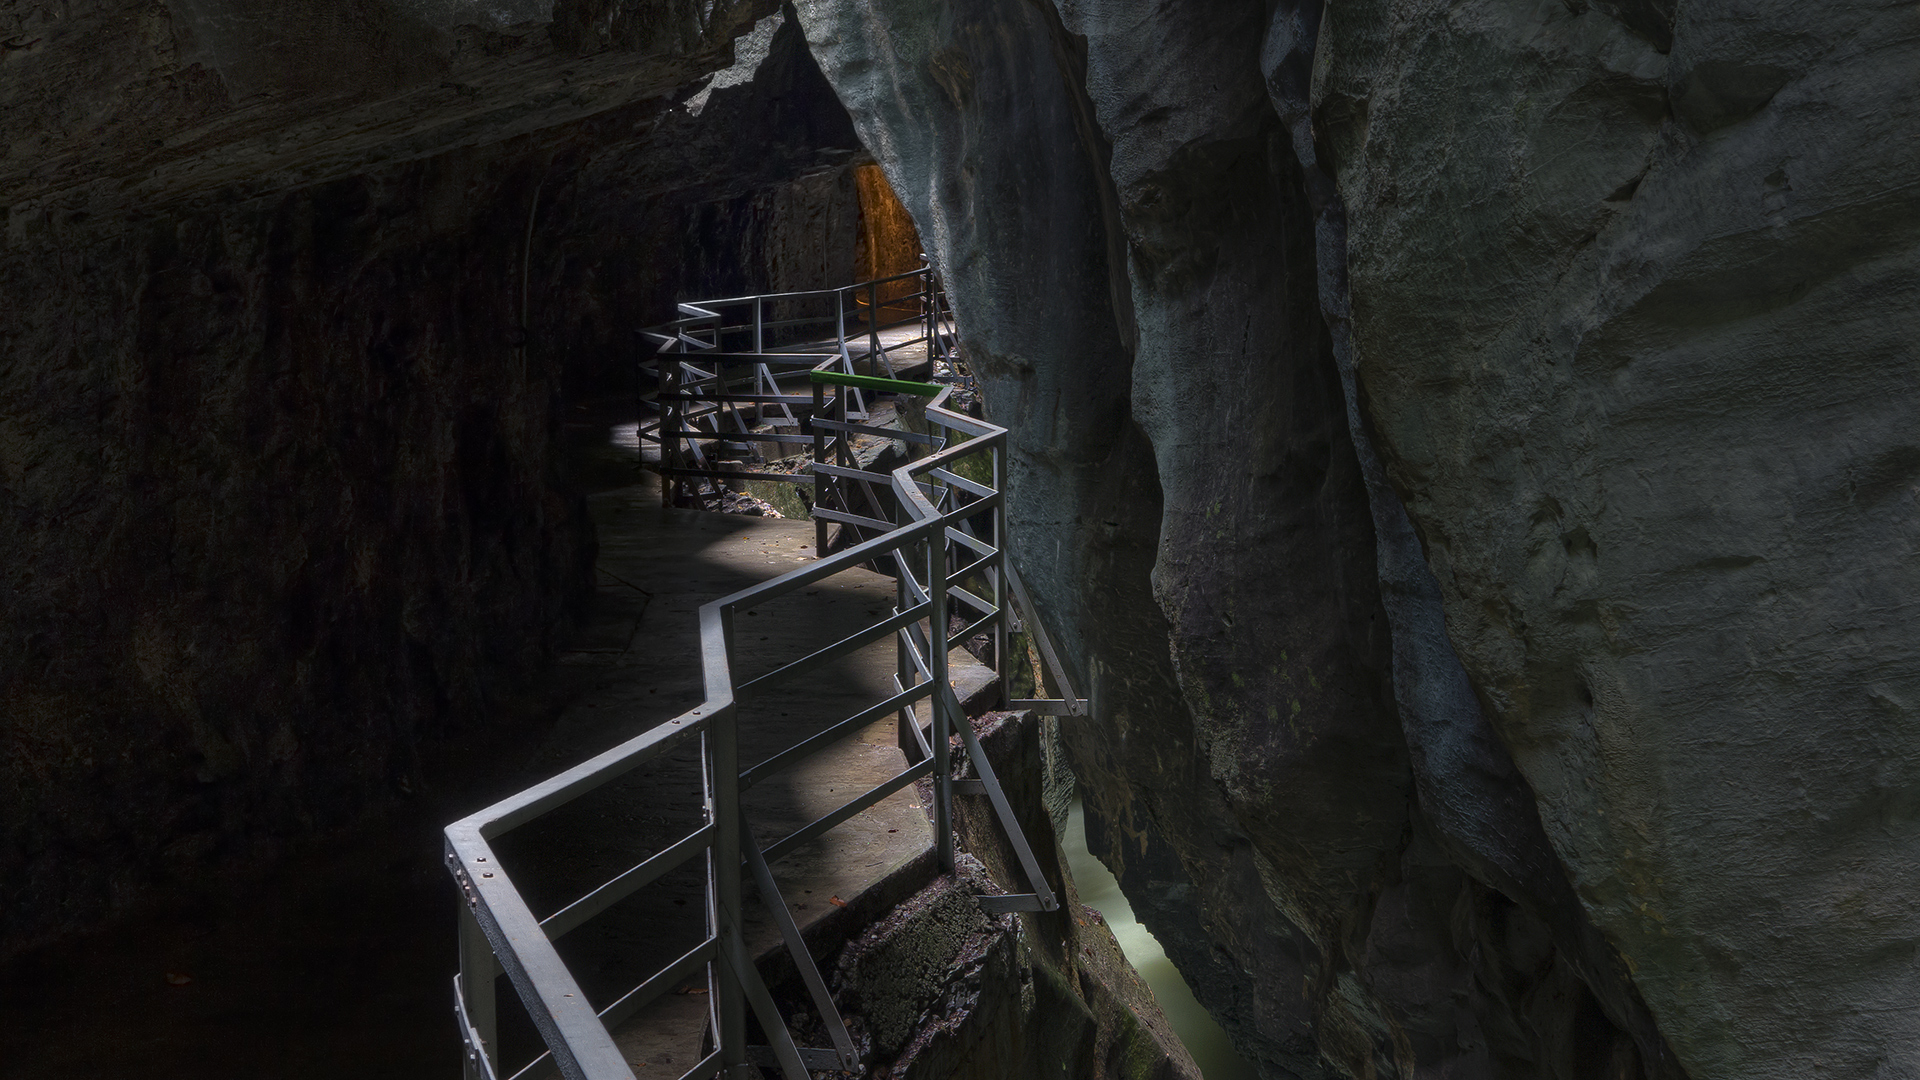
(876, 382)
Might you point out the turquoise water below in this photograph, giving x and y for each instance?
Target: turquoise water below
(1204, 1039)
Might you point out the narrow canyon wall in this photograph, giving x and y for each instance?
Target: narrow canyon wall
(1458, 445)
(289, 299)
(1635, 325)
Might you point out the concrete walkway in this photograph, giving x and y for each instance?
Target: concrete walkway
(637, 665)
(339, 958)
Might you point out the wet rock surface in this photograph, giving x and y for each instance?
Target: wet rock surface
(1458, 445)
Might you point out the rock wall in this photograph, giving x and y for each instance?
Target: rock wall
(291, 300)
(1638, 348)
(1456, 444)
(278, 488)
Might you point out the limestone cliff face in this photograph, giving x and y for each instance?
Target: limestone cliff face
(287, 300)
(1635, 323)
(1463, 446)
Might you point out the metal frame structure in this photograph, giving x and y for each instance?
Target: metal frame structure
(950, 557)
(714, 377)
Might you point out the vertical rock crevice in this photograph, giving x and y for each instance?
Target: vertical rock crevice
(1478, 807)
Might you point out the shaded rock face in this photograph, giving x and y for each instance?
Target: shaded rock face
(279, 391)
(1639, 351)
(1460, 447)
(278, 488)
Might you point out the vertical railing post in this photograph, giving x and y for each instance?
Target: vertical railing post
(906, 726)
(477, 970)
(1001, 596)
(937, 704)
(669, 422)
(820, 480)
(723, 763)
(842, 442)
(874, 357)
(929, 312)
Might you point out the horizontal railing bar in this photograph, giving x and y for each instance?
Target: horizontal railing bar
(854, 289)
(920, 494)
(922, 501)
(641, 996)
(864, 552)
(1013, 902)
(968, 632)
(963, 423)
(885, 433)
(781, 324)
(742, 399)
(640, 876)
(824, 739)
(1047, 706)
(733, 474)
(730, 436)
(849, 644)
(875, 382)
(796, 360)
(956, 480)
(848, 474)
(567, 786)
(841, 516)
(849, 809)
(969, 599)
(976, 545)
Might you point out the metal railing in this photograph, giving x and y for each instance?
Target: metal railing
(950, 559)
(717, 378)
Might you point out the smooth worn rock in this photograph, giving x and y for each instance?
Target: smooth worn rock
(1638, 348)
(1511, 389)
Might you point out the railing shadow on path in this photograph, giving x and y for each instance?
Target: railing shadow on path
(949, 560)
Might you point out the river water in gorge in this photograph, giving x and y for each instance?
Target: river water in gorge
(1204, 1039)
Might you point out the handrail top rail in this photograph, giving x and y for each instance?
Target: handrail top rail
(802, 293)
(876, 382)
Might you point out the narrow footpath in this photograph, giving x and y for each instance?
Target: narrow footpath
(636, 665)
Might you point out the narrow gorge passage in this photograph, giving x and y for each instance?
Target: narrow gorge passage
(1203, 1037)
(1461, 456)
